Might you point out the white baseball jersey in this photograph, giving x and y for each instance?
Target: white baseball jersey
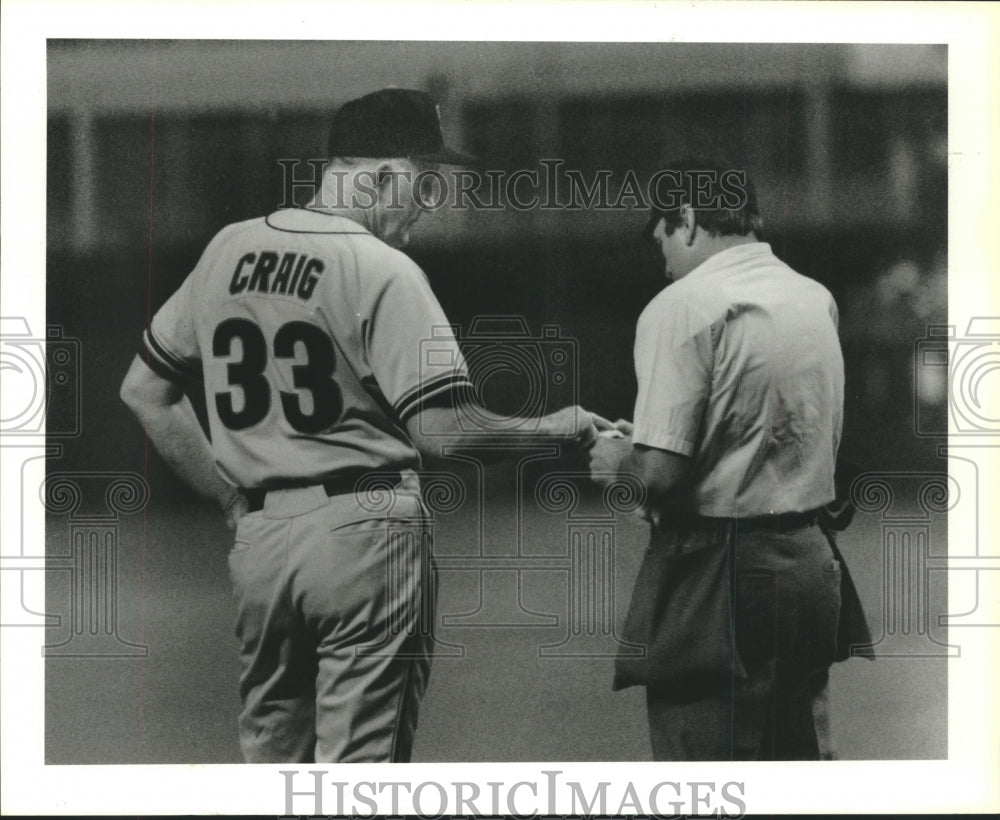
(313, 339)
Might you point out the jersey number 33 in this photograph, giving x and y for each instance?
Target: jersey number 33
(314, 375)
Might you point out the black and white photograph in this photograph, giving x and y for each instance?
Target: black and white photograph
(580, 422)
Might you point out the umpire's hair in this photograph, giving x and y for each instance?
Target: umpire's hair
(719, 192)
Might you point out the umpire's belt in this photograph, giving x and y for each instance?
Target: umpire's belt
(782, 522)
(342, 484)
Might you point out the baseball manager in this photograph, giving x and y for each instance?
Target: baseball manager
(304, 328)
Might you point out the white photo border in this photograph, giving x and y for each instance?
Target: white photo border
(968, 781)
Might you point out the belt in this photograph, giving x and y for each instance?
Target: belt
(343, 484)
(781, 522)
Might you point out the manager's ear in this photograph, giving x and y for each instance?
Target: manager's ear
(383, 176)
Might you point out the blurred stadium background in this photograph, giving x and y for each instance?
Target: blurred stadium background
(154, 146)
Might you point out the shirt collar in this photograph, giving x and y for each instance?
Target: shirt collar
(735, 255)
(306, 220)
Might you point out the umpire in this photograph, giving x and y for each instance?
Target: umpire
(735, 435)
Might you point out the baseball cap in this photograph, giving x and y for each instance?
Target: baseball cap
(392, 122)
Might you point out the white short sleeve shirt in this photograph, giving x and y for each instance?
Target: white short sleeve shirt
(739, 367)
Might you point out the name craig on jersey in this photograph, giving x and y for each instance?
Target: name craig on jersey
(294, 274)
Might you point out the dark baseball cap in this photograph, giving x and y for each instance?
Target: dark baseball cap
(392, 122)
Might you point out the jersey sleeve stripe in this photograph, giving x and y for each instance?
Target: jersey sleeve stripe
(168, 361)
(159, 368)
(413, 400)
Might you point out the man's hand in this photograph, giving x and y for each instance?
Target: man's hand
(235, 509)
(164, 410)
(573, 423)
(588, 425)
(606, 456)
(624, 427)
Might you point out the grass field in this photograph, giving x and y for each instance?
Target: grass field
(499, 702)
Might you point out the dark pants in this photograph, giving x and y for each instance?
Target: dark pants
(772, 715)
(786, 605)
